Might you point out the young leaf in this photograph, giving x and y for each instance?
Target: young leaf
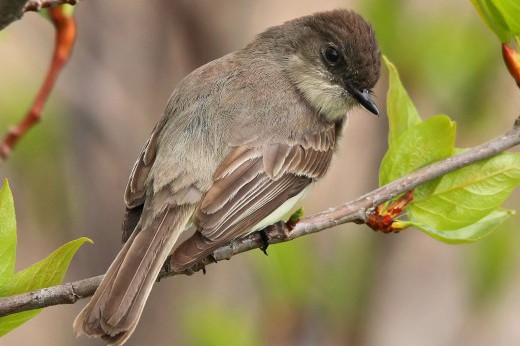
(510, 10)
(493, 18)
(400, 109)
(420, 145)
(468, 194)
(468, 234)
(503, 17)
(296, 216)
(47, 272)
(7, 235)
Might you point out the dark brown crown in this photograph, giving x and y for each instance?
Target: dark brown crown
(357, 41)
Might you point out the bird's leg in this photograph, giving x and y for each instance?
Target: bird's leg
(210, 259)
(264, 236)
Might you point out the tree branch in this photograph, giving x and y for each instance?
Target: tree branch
(37, 5)
(355, 211)
(11, 10)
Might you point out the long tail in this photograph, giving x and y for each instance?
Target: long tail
(115, 308)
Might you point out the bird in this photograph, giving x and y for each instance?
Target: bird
(241, 140)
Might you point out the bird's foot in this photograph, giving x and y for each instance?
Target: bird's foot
(264, 236)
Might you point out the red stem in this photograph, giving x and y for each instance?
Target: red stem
(512, 60)
(65, 37)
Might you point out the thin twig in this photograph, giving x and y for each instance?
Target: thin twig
(356, 211)
(10, 11)
(65, 36)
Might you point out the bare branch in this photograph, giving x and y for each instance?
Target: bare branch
(11, 10)
(355, 211)
(67, 293)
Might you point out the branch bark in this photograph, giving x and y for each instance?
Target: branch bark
(11, 10)
(355, 211)
(37, 5)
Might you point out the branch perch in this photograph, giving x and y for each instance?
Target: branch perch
(37, 5)
(11, 10)
(355, 211)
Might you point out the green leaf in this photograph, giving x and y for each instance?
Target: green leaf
(502, 16)
(420, 145)
(296, 216)
(400, 109)
(47, 272)
(510, 10)
(8, 323)
(468, 234)
(7, 235)
(468, 194)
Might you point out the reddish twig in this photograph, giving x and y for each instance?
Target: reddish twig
(65, 36)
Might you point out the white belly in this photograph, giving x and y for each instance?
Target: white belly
(283, 211)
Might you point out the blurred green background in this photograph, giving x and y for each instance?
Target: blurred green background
(344, 286)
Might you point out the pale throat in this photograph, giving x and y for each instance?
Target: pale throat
(331, 100)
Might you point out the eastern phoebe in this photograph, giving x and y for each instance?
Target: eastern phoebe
(241, 140)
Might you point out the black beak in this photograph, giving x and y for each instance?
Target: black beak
(363, 97)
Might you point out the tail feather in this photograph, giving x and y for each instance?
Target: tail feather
(192, 251)
(115, 308)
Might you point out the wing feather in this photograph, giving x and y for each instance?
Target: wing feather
(250, 184)
(135, 193)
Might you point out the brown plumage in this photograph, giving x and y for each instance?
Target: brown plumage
(240, 137)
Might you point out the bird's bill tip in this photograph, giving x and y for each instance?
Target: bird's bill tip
(364, 99)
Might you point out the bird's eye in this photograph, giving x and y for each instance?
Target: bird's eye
(331, 54)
